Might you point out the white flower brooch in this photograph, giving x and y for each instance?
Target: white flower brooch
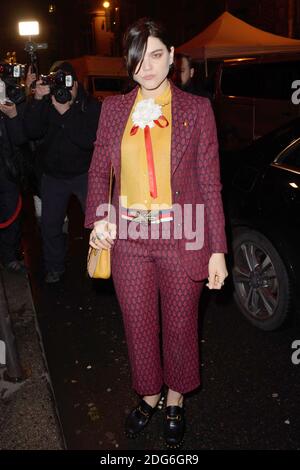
(146, 113)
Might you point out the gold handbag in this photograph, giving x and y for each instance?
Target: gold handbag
(99, 260)
(98, 263)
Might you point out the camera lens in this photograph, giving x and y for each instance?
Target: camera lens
(62, 95)
(16, 93)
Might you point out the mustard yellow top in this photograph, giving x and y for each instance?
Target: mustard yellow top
(134, 168)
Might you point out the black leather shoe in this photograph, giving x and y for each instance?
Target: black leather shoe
(139, 417)
(174, 426)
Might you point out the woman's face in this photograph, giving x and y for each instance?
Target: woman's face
(155, 66)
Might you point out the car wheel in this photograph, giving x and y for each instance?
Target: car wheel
(261, 283)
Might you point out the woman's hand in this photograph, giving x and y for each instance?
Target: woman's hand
(103, 235)
(217, 271)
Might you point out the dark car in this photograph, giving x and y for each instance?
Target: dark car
(262, 204)
(253, 96)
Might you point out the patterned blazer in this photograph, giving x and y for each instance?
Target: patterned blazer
(195, 176)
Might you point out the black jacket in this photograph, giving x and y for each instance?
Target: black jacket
(199, 90)
(12, 138)
(67, 140)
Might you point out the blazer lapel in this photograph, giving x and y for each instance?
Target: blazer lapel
(184, 116)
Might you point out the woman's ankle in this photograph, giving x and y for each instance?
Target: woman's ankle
(174, 398)
(152, 400)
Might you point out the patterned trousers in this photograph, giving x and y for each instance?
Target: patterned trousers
(148, 277)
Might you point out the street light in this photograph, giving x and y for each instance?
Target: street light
(29, 28)
(106, 4)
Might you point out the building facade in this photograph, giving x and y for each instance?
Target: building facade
(76, 27)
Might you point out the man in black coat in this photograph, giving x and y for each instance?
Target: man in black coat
(11, 137)
(67, 132)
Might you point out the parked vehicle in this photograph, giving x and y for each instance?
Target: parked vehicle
(262, 204)
(101, 76)
(253, 96)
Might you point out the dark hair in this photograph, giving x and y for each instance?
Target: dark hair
(135, 41)
(65, 67)
(179, 56)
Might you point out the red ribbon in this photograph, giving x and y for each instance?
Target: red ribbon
(14, 216)
(150, 161)
(160, 122)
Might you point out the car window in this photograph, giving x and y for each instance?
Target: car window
(275, 79)
(108, 84)
(266, 81)
(292, 156)
(90, 86)
(238, 81)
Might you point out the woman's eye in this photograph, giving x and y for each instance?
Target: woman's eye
(157, 55)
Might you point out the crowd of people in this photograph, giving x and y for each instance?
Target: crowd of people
(60, 138)
(161, 141)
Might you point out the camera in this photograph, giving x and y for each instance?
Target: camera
(12, 70)
(31, 48)
(60, 84)
(10, 76)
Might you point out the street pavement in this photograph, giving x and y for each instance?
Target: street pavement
(28, 418)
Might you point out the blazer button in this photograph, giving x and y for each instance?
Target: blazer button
(177, 193)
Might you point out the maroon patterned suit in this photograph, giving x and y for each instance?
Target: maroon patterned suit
(146, 270)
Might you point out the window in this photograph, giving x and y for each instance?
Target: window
(275, 80)
(238, 81)
(265, 80)
(108, 84)
(292, 156)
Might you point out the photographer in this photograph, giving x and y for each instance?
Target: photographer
(68, 131)
(11, 138)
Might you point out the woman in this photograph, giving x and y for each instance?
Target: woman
(162, 145)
